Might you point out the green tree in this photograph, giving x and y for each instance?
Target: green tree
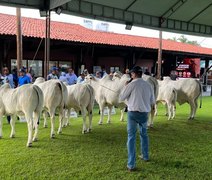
(184, 39)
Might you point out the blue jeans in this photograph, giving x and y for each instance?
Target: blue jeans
(137, 119)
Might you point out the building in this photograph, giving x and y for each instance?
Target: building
(76, 46)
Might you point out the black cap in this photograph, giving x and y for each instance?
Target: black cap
(136, 69)
(22, 70)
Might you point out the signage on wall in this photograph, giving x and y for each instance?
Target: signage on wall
(186, 69)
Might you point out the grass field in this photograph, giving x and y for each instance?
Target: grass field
(179, 149)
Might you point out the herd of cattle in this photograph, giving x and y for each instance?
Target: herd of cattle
(46, 96)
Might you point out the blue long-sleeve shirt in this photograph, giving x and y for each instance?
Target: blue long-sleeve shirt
(23, 80)
(72, 78)
(8, 79)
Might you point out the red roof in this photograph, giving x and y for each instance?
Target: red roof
(73, 32)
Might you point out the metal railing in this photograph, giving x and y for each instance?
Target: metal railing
(206, 90)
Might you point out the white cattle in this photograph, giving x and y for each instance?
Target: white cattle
(154, 84)
(55, 97)
(167, 95)
(81, 98)
(151, 80)
(188, 91)
(27, 101)
(107, 94)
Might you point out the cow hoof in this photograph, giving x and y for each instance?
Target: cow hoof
(100, 123)
(29, 144)
(150, 126)
(0, 137)
(84, 131)
(59, 132)
(12, 136)
(108, 122)
(35, 139)
(53, 136)
(88, 130)
(45, 126)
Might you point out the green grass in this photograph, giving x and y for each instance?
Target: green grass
(179, 149)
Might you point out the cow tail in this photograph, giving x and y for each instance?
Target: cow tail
(156, 88)
(175, 96)
(39, 107)
(91, 91)
(64, 92)
(40, 99)
(200, 87)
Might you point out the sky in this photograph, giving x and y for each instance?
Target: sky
(113, 27)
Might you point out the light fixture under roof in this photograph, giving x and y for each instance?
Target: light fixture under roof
(128, 26)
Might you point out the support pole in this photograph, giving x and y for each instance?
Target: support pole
(47, 45)
(159, 56)
(205, 75)
(19, 38)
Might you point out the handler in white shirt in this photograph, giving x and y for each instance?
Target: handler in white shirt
(140, 98)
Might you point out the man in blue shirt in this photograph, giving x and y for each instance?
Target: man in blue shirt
(7, 77)
(63, 77)
(23, 78)
(53, 74)
(71, 77)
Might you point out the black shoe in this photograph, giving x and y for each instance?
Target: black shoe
(141, 157)
(131, 170)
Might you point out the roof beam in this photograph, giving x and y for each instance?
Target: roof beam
(20, 3)
(131, 4)
(56, 3)
(173, 9)
(107, 13)
(200, 12)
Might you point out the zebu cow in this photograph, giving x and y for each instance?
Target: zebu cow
(106, 94)
(55, 96)
(188, 91)
(154, 84)
(81, 98)
(167, 95)
(27, 101)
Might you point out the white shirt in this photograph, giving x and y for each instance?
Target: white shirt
(139, 95)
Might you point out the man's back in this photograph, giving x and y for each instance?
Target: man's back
(139, 95)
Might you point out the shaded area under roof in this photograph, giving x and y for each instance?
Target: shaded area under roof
(184, 16)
